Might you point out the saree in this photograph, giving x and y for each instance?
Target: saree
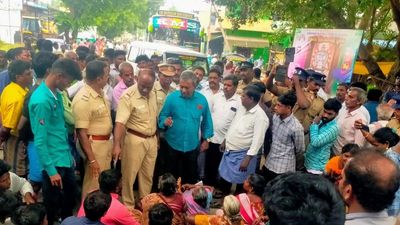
(212, 220)
(192, 208)
(175, 205)
(250, 211)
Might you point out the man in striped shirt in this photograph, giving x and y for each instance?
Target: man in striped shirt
(287, 139)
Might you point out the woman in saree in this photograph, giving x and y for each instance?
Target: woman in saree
(229, 215)
(251, 203)
(168, 195)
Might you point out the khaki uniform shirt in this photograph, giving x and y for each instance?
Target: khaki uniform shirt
(394, 124)
(161, 94)
(92, 111)
(137, 112)
(242, 86)
(306, 116)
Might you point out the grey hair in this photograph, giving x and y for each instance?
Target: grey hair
(231, 208)
(189, 75)
(200, 196)
(361, 94)
(384, 111)
(124, 64)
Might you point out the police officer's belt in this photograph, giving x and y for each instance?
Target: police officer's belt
(139, 134)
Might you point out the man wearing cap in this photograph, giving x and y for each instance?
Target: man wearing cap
(162, 88)
(309, 104)
(93, 123)
(247, 76)
(137, 119)
(127, 80)
(177, 63)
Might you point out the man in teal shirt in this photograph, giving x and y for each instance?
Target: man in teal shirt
(183, 114)
(46, 113)
(323, 134)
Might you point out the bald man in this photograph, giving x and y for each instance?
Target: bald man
(137, 114)
(368, 186)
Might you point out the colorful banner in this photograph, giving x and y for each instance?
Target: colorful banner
(176, 23)
(332, 52)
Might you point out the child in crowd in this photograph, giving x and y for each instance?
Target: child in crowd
(30, 214)
(336, 164)
(14, 183)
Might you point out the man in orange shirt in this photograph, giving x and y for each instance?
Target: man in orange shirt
(336, 164)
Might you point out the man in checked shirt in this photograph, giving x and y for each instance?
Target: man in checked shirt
(287, 139)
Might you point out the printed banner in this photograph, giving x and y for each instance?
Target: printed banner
(332, 52)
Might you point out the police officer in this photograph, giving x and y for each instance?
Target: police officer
(247, 76)
(309, 104)
(162, 87)
(137, 114)
(93, 123)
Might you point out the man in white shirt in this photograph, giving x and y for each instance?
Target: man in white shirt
(355, 98)
(214, 86)
(368, 186)
(223, 110)
(119, 57)
(12, 182)
(243, 140)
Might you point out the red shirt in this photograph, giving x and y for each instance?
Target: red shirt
(117, 214)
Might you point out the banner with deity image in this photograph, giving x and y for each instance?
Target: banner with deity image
(332, 52)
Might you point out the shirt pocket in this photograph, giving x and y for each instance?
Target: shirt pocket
(100, 111)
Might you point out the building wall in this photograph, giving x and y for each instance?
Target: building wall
(10, 19)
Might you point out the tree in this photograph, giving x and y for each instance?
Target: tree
(372, 16)
(111, 17)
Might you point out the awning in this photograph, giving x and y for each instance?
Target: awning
(359, 68)
(247, 42)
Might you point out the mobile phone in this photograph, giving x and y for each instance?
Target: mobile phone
(281, 73)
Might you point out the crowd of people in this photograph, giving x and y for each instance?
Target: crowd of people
(152, 142)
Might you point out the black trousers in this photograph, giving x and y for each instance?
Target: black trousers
(59, 202)
(182, 164)
(160, 167)
(268, 174)
(226, 187)
(213, 159)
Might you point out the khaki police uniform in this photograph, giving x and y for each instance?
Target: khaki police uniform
(139, 151)
(92, 112)
(161, 94)
(241, 86)
(306, 116)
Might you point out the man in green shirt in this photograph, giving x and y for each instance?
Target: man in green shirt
(50, 138)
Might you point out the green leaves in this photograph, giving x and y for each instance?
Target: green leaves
(111, 17)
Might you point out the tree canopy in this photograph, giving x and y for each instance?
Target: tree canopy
(110, 17)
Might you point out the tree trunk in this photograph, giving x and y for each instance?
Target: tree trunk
(395, 5)
(369, 62)
(66, 35)
(74, 33)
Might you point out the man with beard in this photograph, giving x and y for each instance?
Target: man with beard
(309, 105)
(247, 76)
(323, 133)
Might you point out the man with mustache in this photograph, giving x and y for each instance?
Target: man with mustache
(323, 133)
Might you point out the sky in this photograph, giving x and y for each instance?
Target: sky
(186, 5)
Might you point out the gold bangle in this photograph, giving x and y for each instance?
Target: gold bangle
(93, 161)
